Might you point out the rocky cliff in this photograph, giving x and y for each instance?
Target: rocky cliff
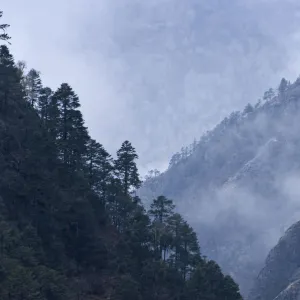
(280, 277)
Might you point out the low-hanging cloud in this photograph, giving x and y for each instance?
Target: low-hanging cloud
(238, 228)
(158, 73)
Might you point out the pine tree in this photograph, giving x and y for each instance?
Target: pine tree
(126, 169)
(53, 120)
(43, 104)
(248, 109)
(283, 87)
(208, 282)
(185, 248)
(33, 86)
(99, 168)
(78, 140)
(175, 159)
(176, 222)
(3, 36)
(10, 81)
(21, 68)
(190, 251)
(138, 232)
(161, 210)
(72, 136)
(269, 94)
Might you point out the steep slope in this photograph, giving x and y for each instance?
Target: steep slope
(280, 277)
(234, 184)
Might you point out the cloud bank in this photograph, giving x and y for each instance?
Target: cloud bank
(158, 73)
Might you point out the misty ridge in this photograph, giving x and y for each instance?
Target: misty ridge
(239, 186)
(178, 65)
(212, 57)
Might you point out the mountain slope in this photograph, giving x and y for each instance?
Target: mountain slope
(279, 278)
(234, 184)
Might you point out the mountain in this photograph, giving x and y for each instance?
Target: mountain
(280, 277)
(238, 185)
(71, 226)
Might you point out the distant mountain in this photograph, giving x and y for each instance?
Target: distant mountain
(239, 184)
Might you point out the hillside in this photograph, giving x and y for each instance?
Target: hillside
(279, 278)
(70, 224)
(238, 185)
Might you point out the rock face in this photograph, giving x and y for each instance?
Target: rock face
(291, 292)
(280, 277)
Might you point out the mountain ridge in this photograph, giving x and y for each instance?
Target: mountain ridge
(279, 278)
(246, 162)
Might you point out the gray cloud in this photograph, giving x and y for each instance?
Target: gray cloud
(158, 73)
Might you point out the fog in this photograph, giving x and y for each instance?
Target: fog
(158, 73)
(240, 188)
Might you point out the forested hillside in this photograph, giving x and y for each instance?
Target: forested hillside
(71, 226)
(238, 185)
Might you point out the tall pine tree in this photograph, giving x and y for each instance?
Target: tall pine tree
(33, 86)
(161, 210)
(43, 105)
(126, 169)
(72, 136)
(99, 168)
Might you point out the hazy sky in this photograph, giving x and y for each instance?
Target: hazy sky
(157, 72)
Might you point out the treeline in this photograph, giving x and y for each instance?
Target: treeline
(71, 226)
(232, 120)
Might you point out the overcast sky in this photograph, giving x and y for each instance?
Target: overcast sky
(157, 72)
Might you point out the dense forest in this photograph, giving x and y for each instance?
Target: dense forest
(71, 225)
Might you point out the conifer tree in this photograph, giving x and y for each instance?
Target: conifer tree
(99, 168)
(33, 86)
(190, 251)
(43, 104)
(269, 94)
(248, 109)
(208, 282)
(72, 136)
(175, 223)
(175, 159)
(161, 210)
(283, 87)
(3, 27)
(10, 81)
(21, 66)
(53, 123)
(126, 169)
